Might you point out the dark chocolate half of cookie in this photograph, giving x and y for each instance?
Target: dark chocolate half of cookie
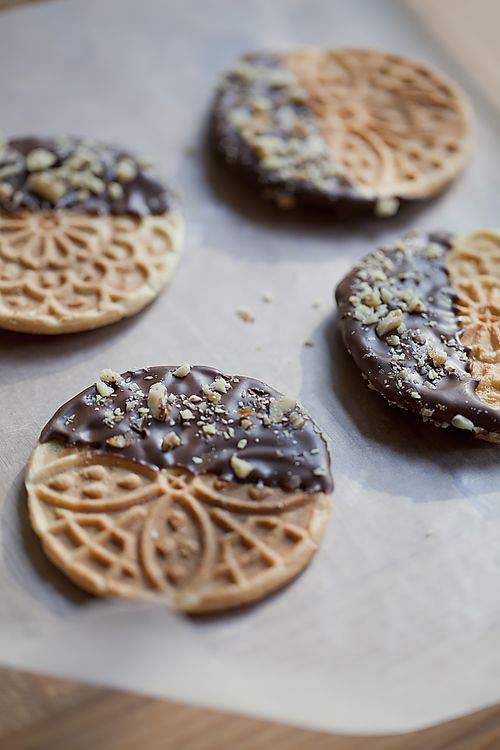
(198, 419)
(44, 174)
(349, 130)
(411, 316)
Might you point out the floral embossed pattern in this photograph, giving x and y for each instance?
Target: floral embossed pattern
(64, 271)
(474, 267)
(118, 528)
(393, 126)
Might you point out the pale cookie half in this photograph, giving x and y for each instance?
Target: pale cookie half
(349, 130)
(205, 489)
(87, 236)
(421, 319)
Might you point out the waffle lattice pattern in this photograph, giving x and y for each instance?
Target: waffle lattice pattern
(474, 267)
(393, 127)
(64, 270)
(118, 528)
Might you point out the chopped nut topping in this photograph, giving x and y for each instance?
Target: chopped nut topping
(117, 441)
(126, 170)
(242, 444)
(115, 190)
(182, 371)
(297, 420)
(103, 390)
(279, 407)
(40, 158)
(6, 190)
(438, 356)
(170, 441)
(187, 415)
(391, 322)
(110, 376)
(220, 385)
(158, 403)
(462, 423)
(47, 186)
(240, 467)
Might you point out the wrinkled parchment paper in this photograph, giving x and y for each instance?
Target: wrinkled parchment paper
(396, 623)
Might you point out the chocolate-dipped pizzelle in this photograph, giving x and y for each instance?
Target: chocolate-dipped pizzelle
(421, 319)
(180, 482)
(87, 235)
(348, 130)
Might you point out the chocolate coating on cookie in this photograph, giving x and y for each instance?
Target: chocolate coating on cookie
(347, 130)
(399, 323)
(285, 155)
(198, 419)
(43, 174)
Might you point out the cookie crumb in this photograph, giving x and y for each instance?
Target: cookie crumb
(385, 207)
(245, 314)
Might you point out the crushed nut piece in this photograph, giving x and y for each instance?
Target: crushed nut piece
(39, 158)
(103, 390)
(158, 403)
(438, 356)
(170, 441)
(391, 322)
(220, 385)
(115, 190)
(47, 186)
(240, 467)
(279, 407)
(117, 441)
(110, 376)
(6, 191)
(126, 170)
(182, 371)
(462, 423)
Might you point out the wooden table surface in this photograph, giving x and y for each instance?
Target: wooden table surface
(42, 713)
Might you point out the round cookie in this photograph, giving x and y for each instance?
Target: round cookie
(348, 130)
(206, 489)
(421, 319)
(87, 235)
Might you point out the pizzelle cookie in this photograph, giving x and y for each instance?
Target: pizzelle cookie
(349, 130)
(87, 235)
(206, 489)
(421, 319)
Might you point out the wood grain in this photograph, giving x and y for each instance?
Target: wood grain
(42, 713)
